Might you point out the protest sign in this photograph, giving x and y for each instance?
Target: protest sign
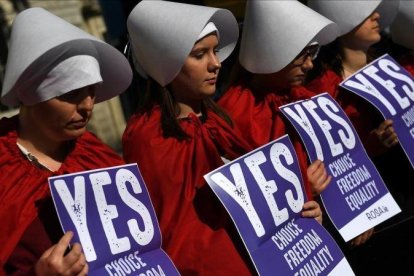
(390, 88)
(356, 198)
(111, 215)
(264, 194)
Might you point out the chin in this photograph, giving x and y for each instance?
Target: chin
(296, 83)
(209, 92)
(74, 133)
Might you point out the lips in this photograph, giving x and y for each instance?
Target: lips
(78, 124)
(211, 80)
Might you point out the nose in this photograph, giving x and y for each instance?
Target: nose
(307, 64)
(214, 63)
(375, 16)
(87, 103)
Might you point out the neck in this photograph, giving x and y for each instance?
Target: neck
(187, 105)
(48, 151)
(352, 61)
(353, 58)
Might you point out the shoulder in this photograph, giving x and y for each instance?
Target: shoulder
(8, 137)
(143, 126)
(328, 81)
(236, 94)
(91, 153)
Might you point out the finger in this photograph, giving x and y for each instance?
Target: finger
(63, 244)
(356, 241)
(364, 237)
(311, 209)
(390, 141)
(47, 253)
(314, 166)
(84, 271)
(320, 172)
(79, 265)
(385, 124)
(389, 133)
(314, 213)
(310, 205)
(73, 256)
(325, 183)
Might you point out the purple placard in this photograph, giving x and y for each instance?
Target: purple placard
(390, 88)
(356, 199)
(111, 215)
(263, 192)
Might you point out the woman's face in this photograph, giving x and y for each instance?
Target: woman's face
(65, 117)
(198, 76)
(295, 72)
(367, 33)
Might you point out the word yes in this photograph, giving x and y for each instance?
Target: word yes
(76, 207)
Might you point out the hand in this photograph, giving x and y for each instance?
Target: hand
(54, 262)
(318, 177)
(361, 239)
(311, 209)
(386, 134)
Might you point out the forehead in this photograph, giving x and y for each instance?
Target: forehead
(207, 41)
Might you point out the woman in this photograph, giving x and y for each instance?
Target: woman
(179, 134)
(360, 24)
(276, 52)
(343, 57)
(55, 73)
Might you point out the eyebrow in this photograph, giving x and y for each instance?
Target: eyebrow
(203, 48)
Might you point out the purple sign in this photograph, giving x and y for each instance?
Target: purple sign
(356, 199)
(111, 215)
(390, 88)
(264, 194)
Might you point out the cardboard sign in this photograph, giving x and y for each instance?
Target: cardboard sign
(390, 88)
(111, 215)
(356, 199)
(264, 194)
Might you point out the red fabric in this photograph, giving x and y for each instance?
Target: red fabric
(24, 188)
(407, 62)
(197, 231)
(258, 116)
(362, 114)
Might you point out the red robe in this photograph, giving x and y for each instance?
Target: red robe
(29, 221)
(197, 232)
(407, 61)
(362, 114)
(258, 116)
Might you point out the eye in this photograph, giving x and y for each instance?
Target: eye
(67, 97)
(198, 54)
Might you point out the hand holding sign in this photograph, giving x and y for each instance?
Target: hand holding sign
(390, 88)
(357, 199)
(114, 203)
(318, 177)
(386, 134)
(54, 261)
(264, 194)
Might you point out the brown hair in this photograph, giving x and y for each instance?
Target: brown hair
(157, 95)
(330, 58)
